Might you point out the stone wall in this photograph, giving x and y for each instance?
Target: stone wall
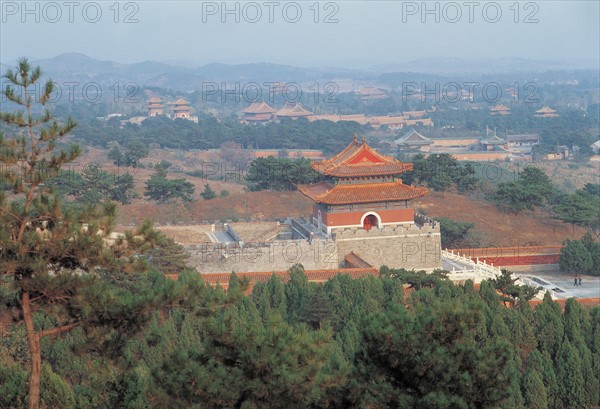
(278, 255)
(409, 246)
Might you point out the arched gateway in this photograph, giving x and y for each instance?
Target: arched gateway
(370, 221)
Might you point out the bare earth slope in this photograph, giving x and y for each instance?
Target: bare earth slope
(495, 228)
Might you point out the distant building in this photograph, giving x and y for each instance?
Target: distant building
(312, 154)
(419, 122)
(156, 106)
(371, 93)
(359, 118)
(596, 146)
(293, 111)
(491, 144)
(258, 112)
(500, 110)
(414, 140)
(392, 122)
(545, 112)
(181, 109)
(560, 153)
(414, 114)
(522, 140)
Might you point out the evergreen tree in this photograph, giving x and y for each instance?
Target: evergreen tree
(578, 210)
(424, 358)
(576, 325)
(317, 309)
(570, 379)
(549, 326)
(63, 265)
(296, 293)
(249, 365)
(208, 193)
(159, 188)
(534, 391)
(575, 258)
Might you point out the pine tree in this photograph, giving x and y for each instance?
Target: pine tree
(595, 345)
(248, 365)
(296, 292)
(575, 258)
(317, 309)
(577, 327)
(569, 376)
(549, 326)
(63, 264)
(208, 193)
(534, 391)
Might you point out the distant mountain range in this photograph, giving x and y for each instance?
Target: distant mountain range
(468, 66)
(186, 77)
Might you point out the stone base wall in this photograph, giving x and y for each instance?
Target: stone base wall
(409, 246)
(278, 255)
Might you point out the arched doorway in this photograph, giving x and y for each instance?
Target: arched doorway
(370, 221)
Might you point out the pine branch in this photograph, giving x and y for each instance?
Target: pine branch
(58, 330)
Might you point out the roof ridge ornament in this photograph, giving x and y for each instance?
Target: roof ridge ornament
(355, 137)
(363, 139)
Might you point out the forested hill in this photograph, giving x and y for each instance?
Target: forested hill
(345, 344)
(210, 133)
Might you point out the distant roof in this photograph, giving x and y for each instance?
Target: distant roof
(259, 107)
(293, 110)
(546, 110)
(360, 118)
(371, 91)
(523, 137)
(180, 101)
(260, 117)
(414, 114)
(500, 107)
(413, 137)
(419, 121)
(494, 140)
(359, 159)
(387, 120)
(328, 193)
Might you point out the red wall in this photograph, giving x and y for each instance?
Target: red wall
(522, 260)
(353, 218)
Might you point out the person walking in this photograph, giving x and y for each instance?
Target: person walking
(575, 282)
(579, 282)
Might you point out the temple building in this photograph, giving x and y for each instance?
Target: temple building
(258, 112)
(181, 109)
(414, 140)
(546, 112)
(390, 122)
(493, 143)
(364, 206)
(156, 106)
(371, 93)
(293, 111)
(364, 190)
(500, 110)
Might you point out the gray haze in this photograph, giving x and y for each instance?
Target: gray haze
(367, 34)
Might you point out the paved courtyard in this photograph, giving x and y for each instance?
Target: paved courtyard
(590, 285)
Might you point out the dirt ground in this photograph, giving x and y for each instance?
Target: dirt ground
(494, 227)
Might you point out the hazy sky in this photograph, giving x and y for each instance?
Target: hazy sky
(356, 34)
